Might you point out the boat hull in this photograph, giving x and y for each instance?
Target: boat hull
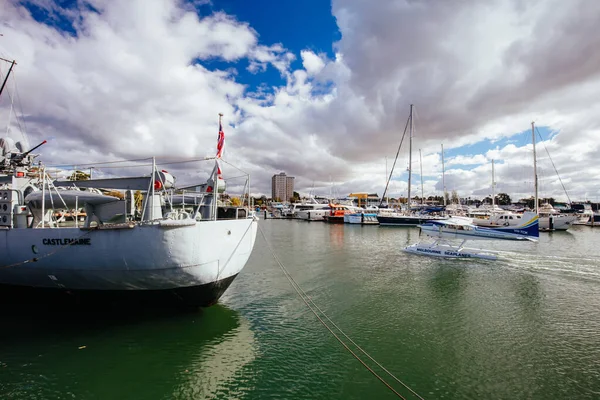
(191, 296)
(593, 220)
(361, 219)
(407, 220)
(317, 215)
(557, 223)
(196, 262)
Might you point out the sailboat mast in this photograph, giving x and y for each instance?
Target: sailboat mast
(493, 188)
(535, 176)
(443, 177)
(421, 165)
(386, 174)
(410, 154)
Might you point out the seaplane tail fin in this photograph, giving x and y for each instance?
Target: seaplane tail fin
(530, 227)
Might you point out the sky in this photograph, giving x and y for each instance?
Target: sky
(319, 90)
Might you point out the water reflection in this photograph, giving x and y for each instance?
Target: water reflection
(216, 369)
(413, 236)
(529, 294)
(123, 355)
(448, 280)
(336, 235)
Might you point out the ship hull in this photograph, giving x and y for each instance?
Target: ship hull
(557, 223)
(193, 264)
(191, 296)
(404, 220)
(361, 219)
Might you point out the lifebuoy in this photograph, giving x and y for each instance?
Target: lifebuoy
(506, 223)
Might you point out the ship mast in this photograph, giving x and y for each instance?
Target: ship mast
(535, 176)
(410, 155)
(493, 188)
(421, 164)
(12, 64)
(443, 177)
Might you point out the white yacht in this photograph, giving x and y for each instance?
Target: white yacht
(300, 210)
(315, 214)
(500, 219)
(303, 211)
(552, 219)
(586, 216)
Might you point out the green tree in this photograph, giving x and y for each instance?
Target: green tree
(503, 199)
(549, 200)
(79, 176)
(528, 202)
(455, 198)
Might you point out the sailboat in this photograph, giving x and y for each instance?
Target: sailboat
(407, 218)
(550, 219)
(444, 231)
(497, 216)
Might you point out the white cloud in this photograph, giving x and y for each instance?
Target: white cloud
(477, 159)
(312, 63)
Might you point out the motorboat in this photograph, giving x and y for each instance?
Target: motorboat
(361, 218)
(552, 219)
(500, 219)
(315, 215)
(300, 210)
(337, 213)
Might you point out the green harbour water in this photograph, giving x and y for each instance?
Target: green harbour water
(526, 326)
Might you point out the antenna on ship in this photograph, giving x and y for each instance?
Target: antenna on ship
(12, 64)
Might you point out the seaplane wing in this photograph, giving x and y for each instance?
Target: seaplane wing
(458, 228)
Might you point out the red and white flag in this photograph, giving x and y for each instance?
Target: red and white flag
(220, 141)
(220, 147)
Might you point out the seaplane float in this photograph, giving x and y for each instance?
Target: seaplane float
(446, 232)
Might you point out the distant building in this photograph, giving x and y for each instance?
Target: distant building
(282, 187)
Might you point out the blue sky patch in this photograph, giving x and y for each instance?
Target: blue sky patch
(297, 25)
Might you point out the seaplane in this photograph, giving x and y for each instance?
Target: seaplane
(458, 228)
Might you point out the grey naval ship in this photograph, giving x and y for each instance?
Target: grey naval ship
(133, 240)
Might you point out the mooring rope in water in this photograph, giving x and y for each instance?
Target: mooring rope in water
(308, 301)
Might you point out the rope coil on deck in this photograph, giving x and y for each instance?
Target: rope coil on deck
(312, 306)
